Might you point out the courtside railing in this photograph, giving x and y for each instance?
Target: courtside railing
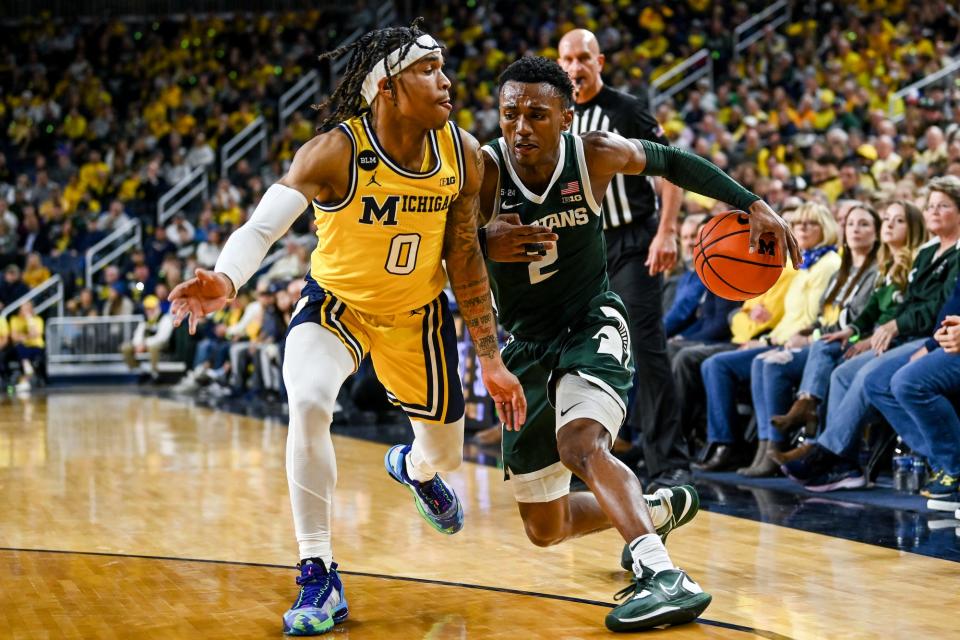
(193, 185)
(753, 29)
(45, 295)
(110, 248)
(681, 76)
(85, 340)
(935, 77)
(306, 89)
(240, 145)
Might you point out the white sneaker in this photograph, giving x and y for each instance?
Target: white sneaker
(23, 386)
(944, 504)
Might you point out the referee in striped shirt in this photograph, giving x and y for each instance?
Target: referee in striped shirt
(641, 246)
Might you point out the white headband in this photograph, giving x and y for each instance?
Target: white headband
(424, 46)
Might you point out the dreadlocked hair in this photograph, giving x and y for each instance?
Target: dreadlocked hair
(367, 50)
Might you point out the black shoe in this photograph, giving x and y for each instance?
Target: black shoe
(723, 458)
(816, 463)
(668, 479)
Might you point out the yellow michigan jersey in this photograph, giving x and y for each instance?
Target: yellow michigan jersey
(376, 280)
(379, 249)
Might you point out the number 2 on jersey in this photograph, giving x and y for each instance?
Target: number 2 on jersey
(536, 269)
(402, 259)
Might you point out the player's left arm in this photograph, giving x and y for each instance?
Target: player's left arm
(471, 286)
(608, 154)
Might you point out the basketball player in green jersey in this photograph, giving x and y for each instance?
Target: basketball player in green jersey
(569, 345)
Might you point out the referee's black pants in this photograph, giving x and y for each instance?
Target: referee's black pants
(654, 416)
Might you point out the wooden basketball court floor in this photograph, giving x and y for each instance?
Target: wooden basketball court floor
(130, 516)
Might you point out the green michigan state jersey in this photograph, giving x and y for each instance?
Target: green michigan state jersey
(537, 300)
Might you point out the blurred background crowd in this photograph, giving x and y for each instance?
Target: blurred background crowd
(103, 117)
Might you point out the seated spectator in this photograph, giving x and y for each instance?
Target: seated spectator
(816, 232)
(26, 331)
(33, 236)
(12, 286)
(140, 282)
(34, 273)
(209, 250)
(152, 336)
(113, 218)
(902, 233)
(832, 463)
(696, 315)
(180, 232)
(689, 289)
(918, 400)
(756, 317)
(158, 248)
(200, 154)
(8, 242)
(292, 265)
(775, 373)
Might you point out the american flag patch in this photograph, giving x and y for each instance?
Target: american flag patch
(570, 188)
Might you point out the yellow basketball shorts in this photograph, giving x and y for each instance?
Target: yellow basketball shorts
(414, 353)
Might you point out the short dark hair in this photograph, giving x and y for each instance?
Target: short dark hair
(536, 69)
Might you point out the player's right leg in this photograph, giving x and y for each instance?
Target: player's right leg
(315, 366)
(416, 359)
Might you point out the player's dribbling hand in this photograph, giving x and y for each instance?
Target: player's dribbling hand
(507, 395)
(508, 240)
(763, 221)
(198, 296)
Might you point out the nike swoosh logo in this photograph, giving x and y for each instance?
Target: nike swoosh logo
(564, 412)
(672, 591)
(510, 206)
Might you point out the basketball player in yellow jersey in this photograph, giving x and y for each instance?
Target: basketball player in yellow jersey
(394, 188)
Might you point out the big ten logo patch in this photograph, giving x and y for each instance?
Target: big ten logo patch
(367, 160)
(576, 198)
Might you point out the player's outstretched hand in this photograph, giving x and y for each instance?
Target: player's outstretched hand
(198, 296)
(507, 394)
(509, 240)
(764, 221)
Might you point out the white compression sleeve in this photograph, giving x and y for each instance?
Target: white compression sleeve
(247, 246)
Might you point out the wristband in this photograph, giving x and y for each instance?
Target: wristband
(482, 238)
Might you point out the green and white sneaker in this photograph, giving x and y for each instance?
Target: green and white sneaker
(667, 598)
(680, 504)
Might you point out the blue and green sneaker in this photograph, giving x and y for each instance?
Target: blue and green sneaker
(321, 602)
(435, 499)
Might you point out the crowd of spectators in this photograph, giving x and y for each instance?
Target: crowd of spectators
(806, 117)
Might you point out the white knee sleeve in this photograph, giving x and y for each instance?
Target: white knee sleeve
(577, 398)
(315, 366)
(436, 448)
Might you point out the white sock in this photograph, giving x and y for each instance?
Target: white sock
(648, 551)
(659, 512)
(436, 448)
(316, 546)
(414, 473)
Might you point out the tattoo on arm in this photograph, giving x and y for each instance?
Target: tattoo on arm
(468, 273)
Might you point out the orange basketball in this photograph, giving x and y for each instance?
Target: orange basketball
(724, 263)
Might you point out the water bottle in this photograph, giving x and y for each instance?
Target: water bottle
(902, 468)
(918, 474)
